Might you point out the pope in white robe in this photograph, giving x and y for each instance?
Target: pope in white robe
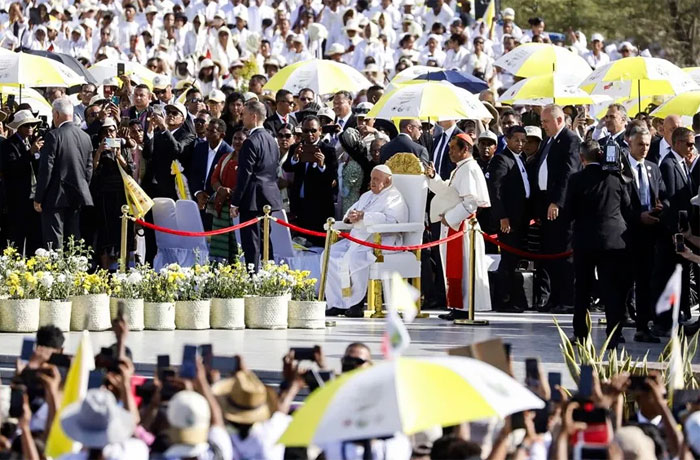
(349, 263)
(455, 200)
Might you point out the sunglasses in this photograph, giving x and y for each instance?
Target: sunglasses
(309, 131)
(195, 100)
(158, 91)
(199, 121)
(285, 136)
(173, 113)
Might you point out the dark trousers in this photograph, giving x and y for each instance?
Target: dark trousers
(432, 278)
(665, 263)
(511, 290)
(57, 224)
(24, 227)
(640, 266)
(251, 239)
(611, 277)
(557, 284)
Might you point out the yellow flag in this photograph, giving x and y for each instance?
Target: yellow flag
(490, 14)
(74, 390)
(183, 191)
(139, 202)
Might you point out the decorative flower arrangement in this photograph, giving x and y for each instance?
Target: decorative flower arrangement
(129, 285)
(54, 286)
(230, 281)
(304, 288)
(192, 283)
(159, 287)
(18, 280)
(272, 280)
(91, 283)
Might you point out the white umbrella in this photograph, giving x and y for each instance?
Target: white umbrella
(410, 73)
(107, 70)
(29, 96)
(28, 70)
(321, 75)
(532, 59)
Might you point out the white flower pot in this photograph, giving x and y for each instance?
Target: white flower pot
(307, 314)
(133, 312)
(159, 316)
(56, 312)
(192, 314)
(19, 315)
(266, 312)
(227, 314)
(90, 312)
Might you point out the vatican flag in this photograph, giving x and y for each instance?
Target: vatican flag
(139, 203)
(490, 14)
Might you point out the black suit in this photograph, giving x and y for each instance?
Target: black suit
(316, 206)
(351, 123)
(199, 177)
(63, 185)
(19, 167)
(654, 153)
(402, 144)
(446, 166)
(256, 187)
(643, 237)
(159, 152)
(508, 201)
(561, 155)
(273, 122)
(599, 205)
(679, 190)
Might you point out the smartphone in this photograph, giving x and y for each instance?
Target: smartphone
(315, 379)
(225, 364)
(585, 383)
(188, 369)
(206, 352)
(554, 379)
(60, 360)
(532, 372)
(27, 349)
(507, 348)
(96, 378)
(683, 223)
(10, 101)
(679, 242)
(591, 417)
(17, 401)
(517, 420)
(589, 452)
(113, 143)
(303, 354)
(163, 361)
(120, 69)
(329, 129)
(114, 100)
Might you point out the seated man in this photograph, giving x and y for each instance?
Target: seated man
(348, 264)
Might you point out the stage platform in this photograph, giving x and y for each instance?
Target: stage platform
(531, 335)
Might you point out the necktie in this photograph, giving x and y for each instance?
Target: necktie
(685, 169)
(439, 153)
(341, 123)
(284, 119)
(643, 190)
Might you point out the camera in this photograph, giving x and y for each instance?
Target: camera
(611, 160)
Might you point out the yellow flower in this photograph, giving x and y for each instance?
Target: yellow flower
(31, 262)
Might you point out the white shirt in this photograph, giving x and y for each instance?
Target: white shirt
(262, 438)
(210, 159)
(664, 149)
(523, 173)
(596, 61)
(643, 181)
(131, 449)
(543, 173)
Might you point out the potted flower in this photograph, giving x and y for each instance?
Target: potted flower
(54, 289)
(193, 304)
(305, 311)
(229, 284)
(159, 289)
(90, 299)
(270, 288)
(19, 310)
(126, 291)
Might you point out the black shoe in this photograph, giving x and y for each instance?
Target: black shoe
(448, 316)
(615, 342)
(646, 337)
(508, 308)
(356, 311)
(562, 310)
(629, 323)
(543, 308)
(460, 314)
(334, 311)
(660, 331)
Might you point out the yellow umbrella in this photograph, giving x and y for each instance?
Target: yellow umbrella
(431, 100)
(555, 88)
(532, 59)
(683, 105)
(107, 69)
(28, 70)
(29, 96)
(408, 74)
(321, 75)
(632, 106)
(694, 73)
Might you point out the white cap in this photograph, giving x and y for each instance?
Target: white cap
(383, 168)
(598, 37)
(371, 68)
(189, 417)
(206, 62)
(327, 112)
(271, 61)
(508, 13)
(161, 81)
(409, 3)
(336, 48)
(352, 25)
(151, 9)
(533, 131)
(488, 135)
(626, 45)
(298, 39)
(243, 14)
(217, 95)
(220, 14)
(435, 37)
(407, 18)
(180, 107)
(250, 96)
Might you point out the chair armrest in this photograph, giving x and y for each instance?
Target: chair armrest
(339, 225)
(406, 227)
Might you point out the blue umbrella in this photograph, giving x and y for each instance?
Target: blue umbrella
(463, 80)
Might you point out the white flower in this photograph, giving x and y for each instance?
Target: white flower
(46, 280)
(41, 252)
(134, 277)
(61, 278)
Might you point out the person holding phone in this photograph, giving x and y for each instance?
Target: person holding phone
(315, 168)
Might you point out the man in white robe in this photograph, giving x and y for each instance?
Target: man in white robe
(348, 264)
(455, 200)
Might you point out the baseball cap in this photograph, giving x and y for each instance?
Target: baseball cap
(336, 48)
(326, 112)
(533, 131)
(250, 96)
(178, 105)
(161, 82)
(217, 95)
(509, 13)
(489, 135)
(597, 37)
(189, 416)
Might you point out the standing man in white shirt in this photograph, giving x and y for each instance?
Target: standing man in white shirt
(596, 57)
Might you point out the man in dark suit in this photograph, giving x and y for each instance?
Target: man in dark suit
(509, 189)
(311, 193)
(19, 165)
(661, 148)
(284, 101)
(440, 156)
(65, 170)
(257, 179)
(205, 157)
(342, 106)
(648, 197)
(598, 203)
(679, 190)
(556, 161)
(405, 142)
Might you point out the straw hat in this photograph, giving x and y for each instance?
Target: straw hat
(23, 117)
(245, 399)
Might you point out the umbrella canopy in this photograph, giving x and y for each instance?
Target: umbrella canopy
(29, 70)
(107, 69)
(685, 105)
(67, 60)
(29, 95)
(694, 73)
(461, 79)
(321, 75)
(632, 106)
(548, 89)
(532, 59)
(409, 74)
(435, 101)
(406, 395)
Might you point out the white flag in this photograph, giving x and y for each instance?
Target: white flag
(671, 296)
(401, 297)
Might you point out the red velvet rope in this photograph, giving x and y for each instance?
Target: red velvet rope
(525, 254)
(210, 233)
(401, 248)
(299, 229)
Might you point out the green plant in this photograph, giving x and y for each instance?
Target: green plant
(304, 288)
(272, 280)
(230, 281)
(91, 283)
(129, 285)
(159, 286)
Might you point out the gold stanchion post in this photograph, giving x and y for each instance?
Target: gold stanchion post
(123, 250)
(266, 233)
(374, 294)
(416, 284)
(470, 321)
(330, 237)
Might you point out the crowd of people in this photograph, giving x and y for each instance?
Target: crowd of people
(214, 407)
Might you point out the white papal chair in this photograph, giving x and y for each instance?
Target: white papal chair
(174, 248)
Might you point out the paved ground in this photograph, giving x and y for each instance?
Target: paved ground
(531, 335)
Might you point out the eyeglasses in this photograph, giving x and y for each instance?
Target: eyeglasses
(690, 145)
(173, 113)
(199, 121)
(285, 136)
(288, 102)
(158, 91)
(195, 100)
(309, 131)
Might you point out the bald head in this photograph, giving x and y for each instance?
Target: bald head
(671, 123)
